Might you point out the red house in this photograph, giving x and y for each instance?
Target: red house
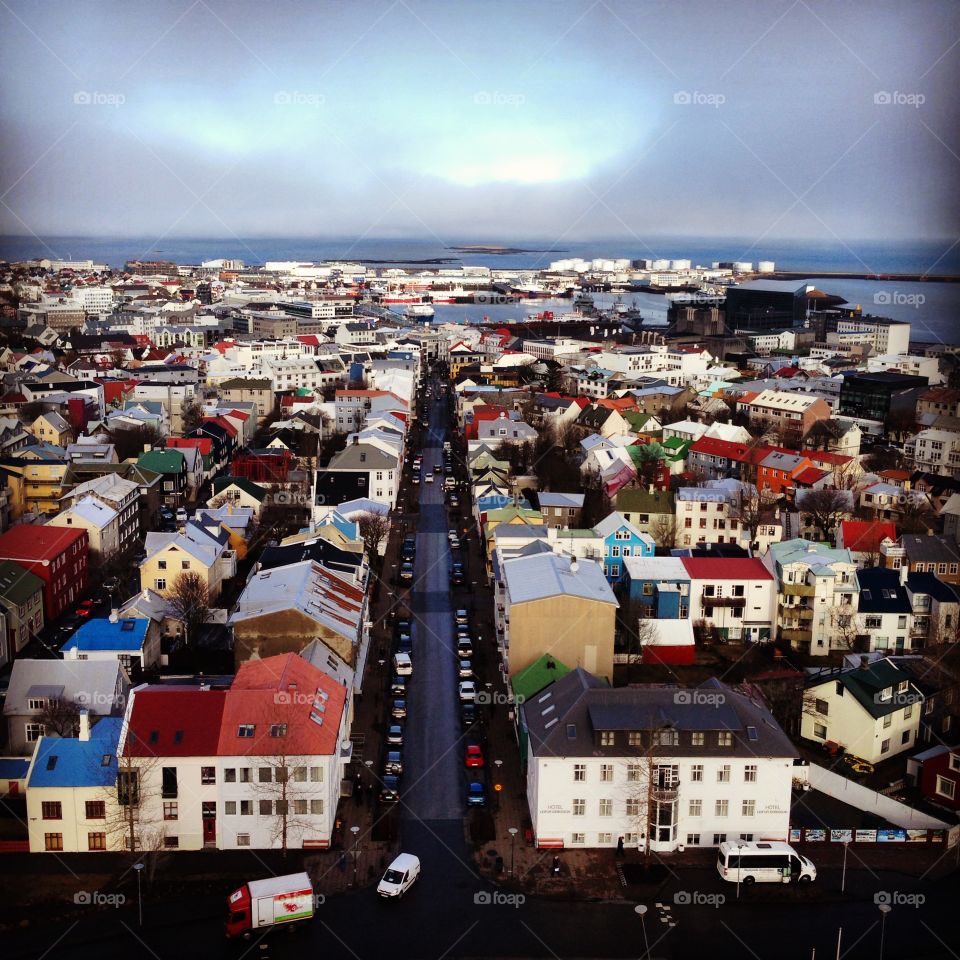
(939, 775)
(57, 555)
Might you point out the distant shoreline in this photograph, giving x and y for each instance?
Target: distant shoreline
(880, 277)
(497, 251)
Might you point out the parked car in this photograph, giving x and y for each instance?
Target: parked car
(405, 643)
(473, 756)
(468, 712)
(464, 648)
(402, 664)
(399, 709)
(398, 686)
(453, 500)
(85, 607)
(390, 788)
(461, 618)
(468, 691)
(406, 572)
(394, 763)
(402, 626)
(400, 876)
(428, 478)
(476, 794)
(456, 574)
(395, 735)
(465, 669)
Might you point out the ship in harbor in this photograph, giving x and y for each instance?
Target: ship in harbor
(418, 311)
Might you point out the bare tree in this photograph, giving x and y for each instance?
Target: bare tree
(60, 717)
(635, 629)
(191, 415)
(652, 783)
(752, 508)
(189, 600)
(374, 528)
(916, 515)
(664, 530)
(132, 820)
(825, 507)
(846, 627)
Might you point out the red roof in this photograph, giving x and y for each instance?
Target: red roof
(37, 542)
(827, 456)
(203, 444)
(285, 689)
(726, 568)
(810, 475)
(865, 536)
(226, 424)
(175, 721)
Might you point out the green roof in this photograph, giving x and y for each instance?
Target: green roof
(162, 461)
(17, 584)
(636, 419)
(242, 483)
(866, 684)
(541, 673)
(639, 500)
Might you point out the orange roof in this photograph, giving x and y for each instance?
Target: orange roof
(865, 536)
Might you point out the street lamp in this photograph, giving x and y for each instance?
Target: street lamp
(740, 846)
(138, 867)
(369, 765)
(355, 830)
(513, 836)
(884, 909)
(641, 909)
(843, 876)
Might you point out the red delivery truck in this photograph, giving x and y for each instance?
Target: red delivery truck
(268, 903)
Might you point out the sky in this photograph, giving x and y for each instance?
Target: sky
(480, 120)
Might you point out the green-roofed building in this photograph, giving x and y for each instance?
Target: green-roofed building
(21, 600)
(645, 508)
(239, 491)
(527, 684)
(172, 466)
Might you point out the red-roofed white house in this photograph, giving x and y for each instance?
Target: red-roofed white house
(737, 597)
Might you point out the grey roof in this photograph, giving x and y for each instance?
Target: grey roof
(362, 456)
(583, 705)
(550, 575)
(89, 682)
(926, 548)
(568, 500)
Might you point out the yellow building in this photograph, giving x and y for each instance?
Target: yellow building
(51, 427)
(194, 551)
(36, 486)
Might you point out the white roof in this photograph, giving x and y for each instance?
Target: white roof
(669, 633)
(655, 568)
(548, 575)
(93, 511)
(273, 886)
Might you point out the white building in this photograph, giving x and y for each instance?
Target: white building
(935, 451)
(101, 522)
(721, 768)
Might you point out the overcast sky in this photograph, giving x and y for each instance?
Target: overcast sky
(490, 120)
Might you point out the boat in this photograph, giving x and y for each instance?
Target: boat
(419, 310)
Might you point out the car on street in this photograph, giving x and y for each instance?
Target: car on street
(455, 542)
(456, 574)
(468, 712)
(415, 479)
(68, 624)
(437, 467)
(468, 691)
(408, 552)
(462, 618)
(402, 626)
(405, 643)
(399, 709)
(403, 664)
(476, 794)
(453, 500)
(428, 478)
(473, 756)
(390, 788)
(406, 572)
(465, 669)
(398, 686)
(464, 648)
(400, 876)
(85, 608)
(395, 735)
(394, 763)
(452, 535)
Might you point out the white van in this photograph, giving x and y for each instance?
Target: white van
(402, 665)
(401, 875)
(763, 862)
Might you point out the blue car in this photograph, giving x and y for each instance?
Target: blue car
(476, 794)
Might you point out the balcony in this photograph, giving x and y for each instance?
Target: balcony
(709, 601)
(796, 635)
(798, 590)
(665, 794)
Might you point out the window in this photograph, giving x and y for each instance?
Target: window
(579, 808)
(607, 738)
(887, 721)
(316, 808)
(278, 729)
(635, 738)
(696, 808)
(230, 808)
(606, 772)
(750, 773)
(908, 711)
(316, 774)
(96, 810)
(266, 808)
(96, 841)
(748, 808)
(208, 775)
(160, 584)
(264, 774)
(170, 811)
(577, 838)
(633, 808)
(230, 775)
(246, 808)
(633, 772)
(171, 843)
(243, 839)
(33, 732)
(946, 788)
(721, 808)
(723, 774)
(606, 808)
(698, 738)
(184, 564)
(161, 564)
(724, 738)
(51, 810)
(718, 838)
(885, 746)
(696, 773)
(579, 772)
(666, 738)
(820, 731)
(693, 839)
(299, 774)
(53, 841)
(648, 589)
(905, 737)
(821, 706)
(246, 775)
(35, 703)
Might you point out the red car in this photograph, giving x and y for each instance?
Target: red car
(474, 756)
(85, 608)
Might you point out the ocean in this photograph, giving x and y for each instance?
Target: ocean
(932, 308)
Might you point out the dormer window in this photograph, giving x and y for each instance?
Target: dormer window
(886, 694)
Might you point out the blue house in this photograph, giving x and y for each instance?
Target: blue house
(659, 586)
(621, 539)
(131, 641)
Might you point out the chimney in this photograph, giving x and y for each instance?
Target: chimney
(114, 615)
(84, 733)
(146, 593)
(650, 489)
(147, 448)
(864, 662)
(904, 573)
(574, 566)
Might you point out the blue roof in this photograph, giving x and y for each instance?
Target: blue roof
(103, 634)
(13, 768)
(67, 762)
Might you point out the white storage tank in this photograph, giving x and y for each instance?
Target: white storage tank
(765, 266)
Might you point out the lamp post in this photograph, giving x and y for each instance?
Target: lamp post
(641, 909)
(513, 831)
(369, 765)
(355, 830)
(138, 867)
(884, 909)
(739, 848)
(843, 875)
